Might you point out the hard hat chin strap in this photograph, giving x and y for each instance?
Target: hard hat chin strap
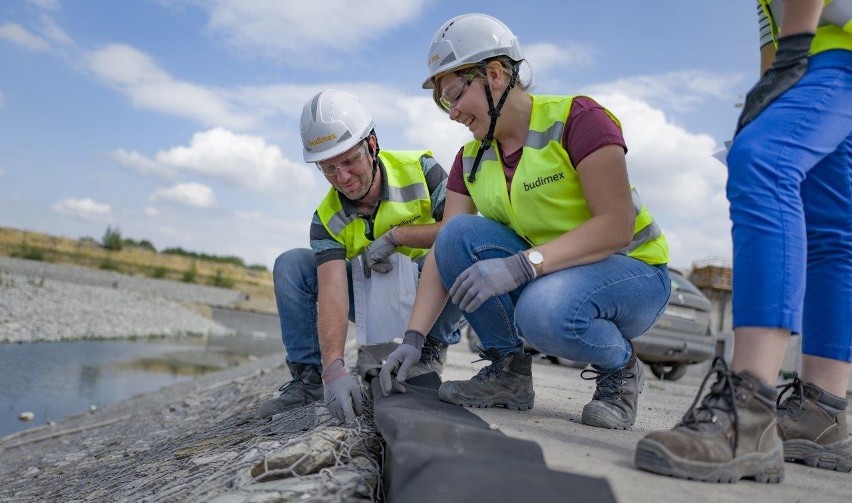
(375, 156)
(494, 112)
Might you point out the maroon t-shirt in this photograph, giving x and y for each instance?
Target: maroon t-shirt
(587, 129)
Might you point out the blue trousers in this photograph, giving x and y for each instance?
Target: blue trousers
(296, 290)
(790, 192)
(585, 313)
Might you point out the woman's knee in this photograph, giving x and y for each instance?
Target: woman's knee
(448, 239)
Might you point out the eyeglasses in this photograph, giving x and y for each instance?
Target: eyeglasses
(454, 92)
(348, 164)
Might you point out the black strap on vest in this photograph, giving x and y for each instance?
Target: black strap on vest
(494, 112)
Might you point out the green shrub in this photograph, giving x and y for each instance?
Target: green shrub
(27, 252)
(112, 239)
(221, 280)
(190, 275)
(159, 272)
(108, 265)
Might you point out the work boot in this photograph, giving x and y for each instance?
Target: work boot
(812, 425)
(432, 358)
(305, 388)
(731, 434)
(616, 396)
(506, 382)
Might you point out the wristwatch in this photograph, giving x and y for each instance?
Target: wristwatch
(536, 259)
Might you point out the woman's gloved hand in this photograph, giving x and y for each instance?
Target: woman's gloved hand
(400, 360)
(489, 278)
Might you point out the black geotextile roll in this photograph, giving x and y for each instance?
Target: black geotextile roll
(442, 452)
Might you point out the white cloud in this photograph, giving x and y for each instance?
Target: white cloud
(545, 57)
(186, 194)
(149, 87)
(244, 160)
(84, 208)
(677, 178)
(239, 161)
(151, 212)
(17, 34)
(54, 33)
(140, 164)
(296, 32)
(51, 5)
(679, 91)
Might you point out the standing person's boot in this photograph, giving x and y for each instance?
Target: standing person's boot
(432, 358)
(616, 395)
(506, 382)
(812, 424)
(305, 388)
(731, 434)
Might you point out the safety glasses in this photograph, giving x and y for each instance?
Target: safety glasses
(453, 93)
(348, 164)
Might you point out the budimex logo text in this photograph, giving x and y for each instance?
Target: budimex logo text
(543, 180)
(322, 139)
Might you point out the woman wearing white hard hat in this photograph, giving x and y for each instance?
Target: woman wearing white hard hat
(563, 253)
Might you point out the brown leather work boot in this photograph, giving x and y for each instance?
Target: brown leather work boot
(731, 434)
(812, 425)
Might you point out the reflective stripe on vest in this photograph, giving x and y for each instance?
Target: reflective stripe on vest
(827, 36)
(547, 199)
(408, 203)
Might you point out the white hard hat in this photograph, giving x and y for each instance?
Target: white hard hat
(469, 39)
(333, 122)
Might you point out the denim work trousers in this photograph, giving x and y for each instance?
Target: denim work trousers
(296, 291)
(585, 313)
(790, 189)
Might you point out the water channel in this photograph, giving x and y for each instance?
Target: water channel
(56, 379)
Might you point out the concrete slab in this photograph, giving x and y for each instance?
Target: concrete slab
(568, 445)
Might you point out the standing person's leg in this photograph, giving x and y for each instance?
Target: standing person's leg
(507, 380)
(732, 433)
(812, 419)
(589, 313)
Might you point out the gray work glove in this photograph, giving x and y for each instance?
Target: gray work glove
(342, 393)
(791, 62)
(398, 362)
(489, 278)
(377, 253)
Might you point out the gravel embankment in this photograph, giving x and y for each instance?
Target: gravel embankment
(40, 301)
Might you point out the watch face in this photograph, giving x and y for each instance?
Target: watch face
(536, 257)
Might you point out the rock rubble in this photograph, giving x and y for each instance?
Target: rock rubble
(50, 302)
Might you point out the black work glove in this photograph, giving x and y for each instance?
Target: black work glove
(791, 62)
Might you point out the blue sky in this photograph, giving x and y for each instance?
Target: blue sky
(177, 120)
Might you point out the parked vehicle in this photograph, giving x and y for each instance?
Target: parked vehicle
(682, 336)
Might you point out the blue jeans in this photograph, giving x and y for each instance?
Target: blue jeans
(790, 189)
(296, 290)
(584, 313)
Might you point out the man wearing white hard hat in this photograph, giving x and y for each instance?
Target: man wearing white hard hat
(380, 203)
